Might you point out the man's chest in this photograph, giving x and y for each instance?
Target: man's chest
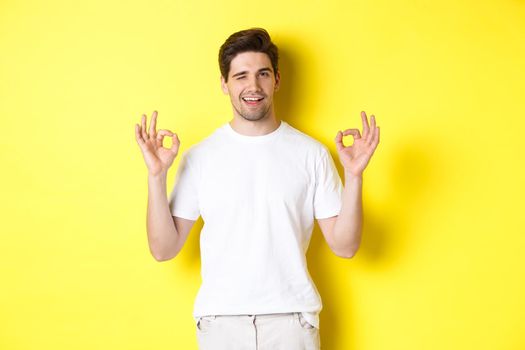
(247, 181)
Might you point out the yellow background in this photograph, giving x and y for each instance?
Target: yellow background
(441, 265)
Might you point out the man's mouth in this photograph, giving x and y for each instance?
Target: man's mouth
(252, 100)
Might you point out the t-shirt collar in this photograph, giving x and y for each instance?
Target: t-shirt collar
(260, 138)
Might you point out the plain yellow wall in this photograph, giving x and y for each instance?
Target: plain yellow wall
(441, 265)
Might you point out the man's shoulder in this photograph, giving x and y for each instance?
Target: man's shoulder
(303, 139)
(204, 146)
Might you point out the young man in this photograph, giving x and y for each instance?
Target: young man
(258, 184)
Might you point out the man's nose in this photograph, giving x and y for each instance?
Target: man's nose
(253, 84)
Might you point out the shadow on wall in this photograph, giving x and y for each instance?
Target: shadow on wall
(298, 69)
(285, 98)
(189, 256)
(414, 178)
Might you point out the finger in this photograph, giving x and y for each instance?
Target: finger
(175, 142)
(143, 129)
(354, 132)
(160, 136)
(152, 125)
(375, 139)
(366, 128)
(372, 132)
(138, 136)
(339, 141)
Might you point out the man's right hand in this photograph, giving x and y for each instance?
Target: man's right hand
(158, 159)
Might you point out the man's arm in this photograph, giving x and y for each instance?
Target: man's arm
(166, 233)
(343, 232)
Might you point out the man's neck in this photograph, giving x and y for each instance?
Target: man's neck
(254, 128)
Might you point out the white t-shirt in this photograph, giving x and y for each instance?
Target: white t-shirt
(258, 197)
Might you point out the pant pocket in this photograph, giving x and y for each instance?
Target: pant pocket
(303, 322)
(205, 323)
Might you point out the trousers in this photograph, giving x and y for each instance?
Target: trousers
(285, 331)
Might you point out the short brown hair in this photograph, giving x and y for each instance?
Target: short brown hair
(253, 39)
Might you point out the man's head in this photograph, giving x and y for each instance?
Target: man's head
(255, 40)
(249, 73)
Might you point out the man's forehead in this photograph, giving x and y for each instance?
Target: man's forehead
(251, 61)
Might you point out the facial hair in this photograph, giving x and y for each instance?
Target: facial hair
(252, 115)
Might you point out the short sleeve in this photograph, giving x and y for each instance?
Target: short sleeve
(328, 187)
(184, 199)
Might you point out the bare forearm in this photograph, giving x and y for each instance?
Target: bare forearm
(348, 226)
(162, 232)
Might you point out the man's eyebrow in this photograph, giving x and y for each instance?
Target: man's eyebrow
(244, 71)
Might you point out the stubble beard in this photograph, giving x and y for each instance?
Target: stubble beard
(252, 115)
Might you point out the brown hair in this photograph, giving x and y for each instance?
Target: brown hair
(253, 39)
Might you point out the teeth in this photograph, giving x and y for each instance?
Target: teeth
(252, 98)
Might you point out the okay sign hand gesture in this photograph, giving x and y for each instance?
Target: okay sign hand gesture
(158, 159)
(355, 158)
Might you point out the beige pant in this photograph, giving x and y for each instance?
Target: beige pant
(289, 331)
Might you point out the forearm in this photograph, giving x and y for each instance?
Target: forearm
(161, 229)
(348, 226)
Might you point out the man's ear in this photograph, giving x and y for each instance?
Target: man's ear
(277, 81)
(224, 87)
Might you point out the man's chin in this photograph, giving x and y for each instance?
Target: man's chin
(253, 117)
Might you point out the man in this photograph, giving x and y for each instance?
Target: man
(258, 184)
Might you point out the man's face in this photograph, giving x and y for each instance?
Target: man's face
(251, 84)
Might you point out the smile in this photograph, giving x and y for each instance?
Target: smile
(252, 101)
